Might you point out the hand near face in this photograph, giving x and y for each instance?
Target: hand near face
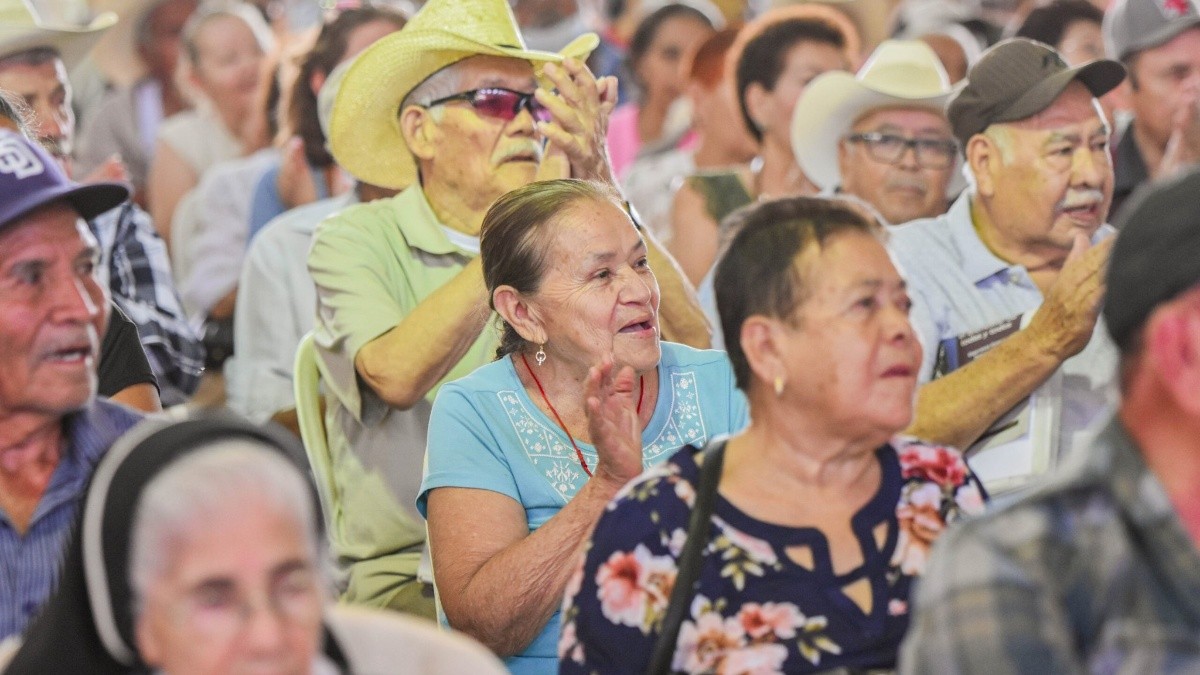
(110, 170)
(613, 421)
(579, 118)
(1183, 147)
(1065, 321)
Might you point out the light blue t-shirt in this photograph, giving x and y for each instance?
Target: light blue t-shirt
(485, 432)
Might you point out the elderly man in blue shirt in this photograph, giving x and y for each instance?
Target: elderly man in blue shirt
(53, 311)
(1007, 284)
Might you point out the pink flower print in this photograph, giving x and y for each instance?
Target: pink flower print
(569, 646)
(771, 621)
(574, 583)
(685, 492)
(920, 523)
(761, 659)
(969, 499)
(703, 643)
(897, 607)
(933, 463)
(633, 588)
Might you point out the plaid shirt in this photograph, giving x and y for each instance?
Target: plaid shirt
(136, 269)
(1092, 572)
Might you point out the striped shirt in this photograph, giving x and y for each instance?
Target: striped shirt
(29, 563)
(959, 286)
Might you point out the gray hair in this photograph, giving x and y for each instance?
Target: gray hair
(441, 84)
(191, 490)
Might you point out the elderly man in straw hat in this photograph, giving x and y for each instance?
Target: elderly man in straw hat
(53, 431)
(454, 109)
(35, 54)
(881, 135)
(1007, 284)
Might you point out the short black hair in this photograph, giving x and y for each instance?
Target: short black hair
(758, 275)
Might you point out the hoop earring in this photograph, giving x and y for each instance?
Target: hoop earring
(540, 356)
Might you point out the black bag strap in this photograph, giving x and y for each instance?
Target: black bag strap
(688, 567)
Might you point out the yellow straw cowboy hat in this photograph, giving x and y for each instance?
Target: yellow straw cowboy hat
(365, 132)
(67, 27)
(900, 73)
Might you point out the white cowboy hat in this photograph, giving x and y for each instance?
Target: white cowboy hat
(365, 130)
(900, 73)
(67, 27)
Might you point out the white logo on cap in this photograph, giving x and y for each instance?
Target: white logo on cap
(16, 158)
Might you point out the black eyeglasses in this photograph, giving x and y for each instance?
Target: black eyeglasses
(931, 153)
(503, 104)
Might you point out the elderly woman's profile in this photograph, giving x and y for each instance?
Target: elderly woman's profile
(199, 552)
(515, 476)
(821, 516)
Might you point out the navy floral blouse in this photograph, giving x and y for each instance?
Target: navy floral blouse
(757, 610)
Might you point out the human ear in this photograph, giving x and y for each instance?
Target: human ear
(760, 340)
(983, 156)
(519, 313)
(1173, 339)
(419, 131)
(758, 104)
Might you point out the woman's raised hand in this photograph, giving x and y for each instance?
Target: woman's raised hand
(613, 422)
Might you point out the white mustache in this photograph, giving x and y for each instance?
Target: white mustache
(519, 150)
(1079, 198)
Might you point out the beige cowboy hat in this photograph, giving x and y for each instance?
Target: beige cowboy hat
(900, 73)
(68, 27)
(365, 129)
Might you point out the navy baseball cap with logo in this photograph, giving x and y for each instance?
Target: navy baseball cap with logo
(30, 179)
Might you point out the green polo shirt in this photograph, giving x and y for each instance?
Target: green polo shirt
(372, 265)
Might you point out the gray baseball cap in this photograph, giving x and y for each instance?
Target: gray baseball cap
(1133, 25)
(1019, 78)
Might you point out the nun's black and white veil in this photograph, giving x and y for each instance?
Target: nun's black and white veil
(87, 626)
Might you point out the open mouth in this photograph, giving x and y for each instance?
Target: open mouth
(1082, 212)
(638, 327)
(69, 355)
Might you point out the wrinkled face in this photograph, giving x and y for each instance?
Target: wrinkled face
(1082, 41)
(1164, 80)
(805, 61)
(598, 296)
(852, 355)
(1057, 178)
(910, 186)
(480, 158)
(660, 69)
(240, 596)
(47, 92)
(165, 25)
(52, 314)
(230, 65)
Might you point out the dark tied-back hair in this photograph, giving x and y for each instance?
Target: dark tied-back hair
(759, 275)
(763, 58)
(326, 53)
(1049, 23)
(647, 31)
(514, 244)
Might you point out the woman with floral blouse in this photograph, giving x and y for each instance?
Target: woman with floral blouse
(823, 515)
